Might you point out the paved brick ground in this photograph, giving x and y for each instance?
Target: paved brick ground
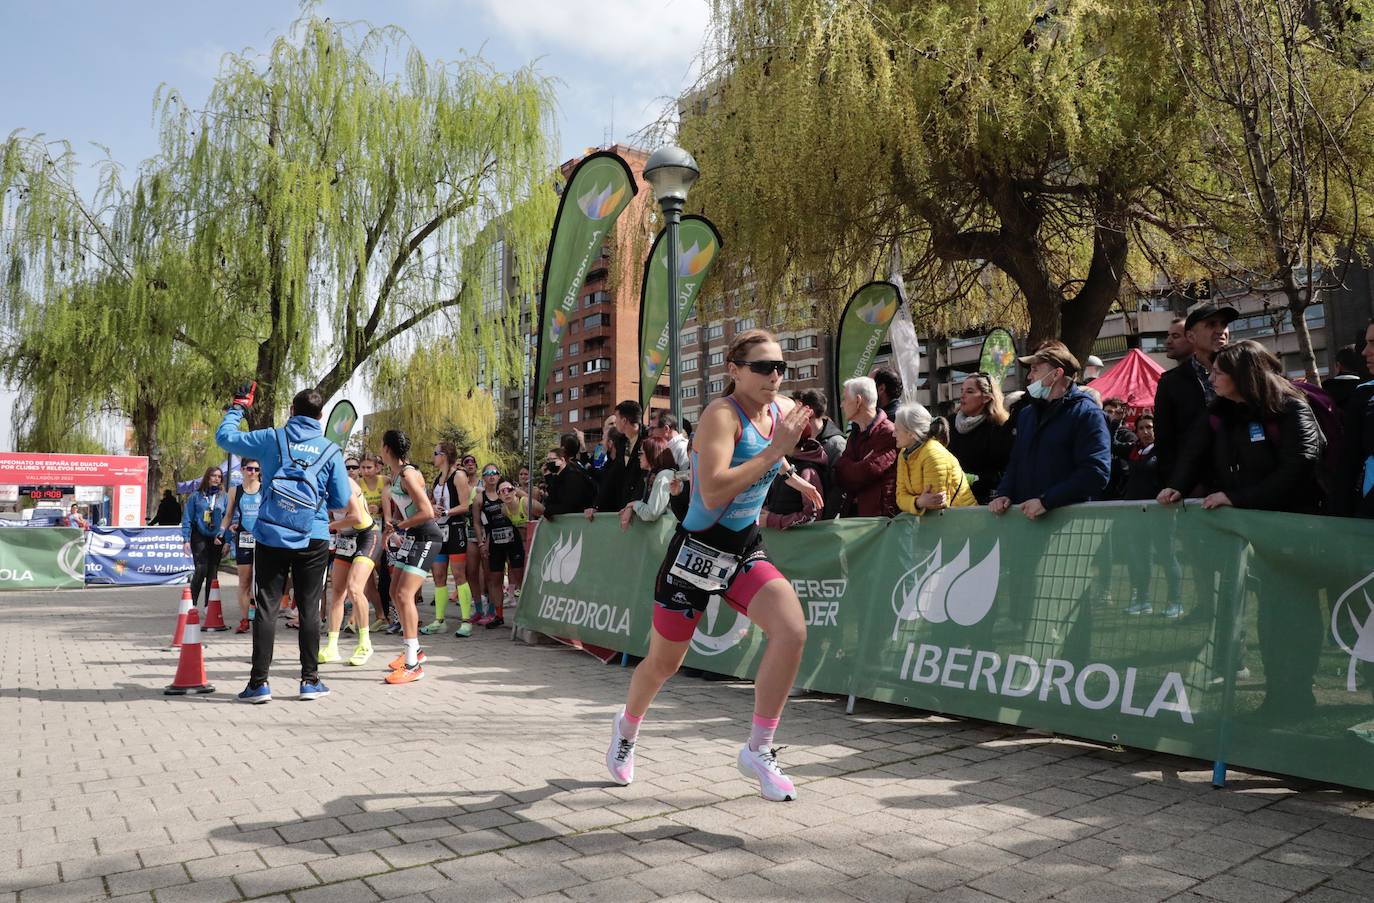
(485, 782)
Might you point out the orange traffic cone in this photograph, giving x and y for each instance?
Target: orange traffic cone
(182, 611)
(214, 614)
(191, 666)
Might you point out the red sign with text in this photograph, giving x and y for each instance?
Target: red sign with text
(126, 474)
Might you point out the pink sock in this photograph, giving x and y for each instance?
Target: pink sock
(761, 734)
(629, 726)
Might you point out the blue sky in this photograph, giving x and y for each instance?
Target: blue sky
(87, 71)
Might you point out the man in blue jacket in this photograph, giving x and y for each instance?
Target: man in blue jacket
(280, 549)
(1062, 452)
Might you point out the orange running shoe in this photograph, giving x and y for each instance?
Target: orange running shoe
(406, 675)
(399, 661)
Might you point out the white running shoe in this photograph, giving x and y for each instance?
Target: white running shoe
(762, 766)
(620, 757)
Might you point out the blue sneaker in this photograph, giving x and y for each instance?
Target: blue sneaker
(256, 695)
(313, 689)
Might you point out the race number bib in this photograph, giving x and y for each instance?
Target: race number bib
(246, 541)
(346, 546)
(705, 568)
(503, 534)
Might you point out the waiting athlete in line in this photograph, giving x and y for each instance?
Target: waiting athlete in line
(357, 547)
(738, 449)
(450, 493)
(416, 541)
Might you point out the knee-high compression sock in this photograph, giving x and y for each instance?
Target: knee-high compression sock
(629, 725)
(761, 734)
(465, 600)
(440, 601)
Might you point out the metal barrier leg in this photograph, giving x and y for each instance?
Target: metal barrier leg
(1218, 774)
(849, 706)
(624, 659)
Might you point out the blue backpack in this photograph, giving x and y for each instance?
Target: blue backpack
(293, 497)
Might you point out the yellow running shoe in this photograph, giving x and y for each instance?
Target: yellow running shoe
(328, 655)
(360, 656)
(406, 675)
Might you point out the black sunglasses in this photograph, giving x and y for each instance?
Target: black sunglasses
(253, 469)
(350, 467)
(763, 368)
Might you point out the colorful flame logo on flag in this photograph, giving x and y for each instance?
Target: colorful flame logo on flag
(693, 260)
(876, 313)
(653, 361)
(599, 204)
(560, 320)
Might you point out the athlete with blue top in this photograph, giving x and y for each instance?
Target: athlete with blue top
(737, 451)
(240, 519)
(281, 550)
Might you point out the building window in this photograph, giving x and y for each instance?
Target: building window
(558, 398)
(746, 323)
(574, 327)
(806, 342)
(715, 332)
(558, 375)
(573, 393)
(557, 418)
(558, 355)
(716, 385)
(715, 359)
(596, 321)
(807, 372)
(689, 391)
(572, 370)
(689, 364)
(789, 344)
(572, 416)
(574, 349)
(689, 338)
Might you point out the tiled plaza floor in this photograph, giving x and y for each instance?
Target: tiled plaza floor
(485, 782)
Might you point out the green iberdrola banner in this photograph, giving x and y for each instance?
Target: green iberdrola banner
(863, 328)
(42, 558)
(998, 354)
(1270, 665)
(340, 422)
(599, 188)
(698, 246)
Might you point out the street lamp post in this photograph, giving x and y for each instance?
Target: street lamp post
(672, 171)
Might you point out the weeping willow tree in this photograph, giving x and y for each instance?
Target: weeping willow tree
(1284, 95)
(104, 310)
(433, 395)
(338, 204)
(1005, 149)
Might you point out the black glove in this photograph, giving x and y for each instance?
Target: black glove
(243, 395)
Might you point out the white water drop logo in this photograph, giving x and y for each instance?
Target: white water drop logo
(1352, 626)
(705, 641)
(561, 562)
(936, 590)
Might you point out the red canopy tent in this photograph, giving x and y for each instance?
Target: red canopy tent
(1133, 378)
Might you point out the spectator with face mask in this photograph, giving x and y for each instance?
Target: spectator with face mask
(570, 487)
(623, 479)
(1061, 454)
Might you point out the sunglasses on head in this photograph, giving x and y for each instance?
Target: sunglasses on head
(763, 368)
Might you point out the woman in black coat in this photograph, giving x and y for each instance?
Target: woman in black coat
(1259, 448)
(982, 436)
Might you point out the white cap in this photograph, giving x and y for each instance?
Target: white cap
(1094, 361)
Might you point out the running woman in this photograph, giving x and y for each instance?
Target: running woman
(357, 546)
(416, 539)
(738, 449)
(374, 487)
(450, 493)
(498, 540)
(241, 517)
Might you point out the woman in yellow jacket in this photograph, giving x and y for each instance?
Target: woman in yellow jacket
(928, 474)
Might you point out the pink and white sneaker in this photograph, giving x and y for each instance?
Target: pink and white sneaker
(620, 757)
(762, 766)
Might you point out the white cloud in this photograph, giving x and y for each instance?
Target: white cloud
(658, 35)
